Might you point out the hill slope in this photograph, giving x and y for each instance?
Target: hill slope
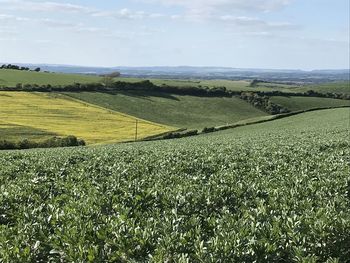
(277, 191)
(55, 113)
(174, 110)
(337, 87)
(304, 103)
(10, 78)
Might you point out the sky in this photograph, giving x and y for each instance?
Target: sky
(274, 34)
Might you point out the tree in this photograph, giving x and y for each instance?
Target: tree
(107, 81)
(113, 75)
(254, 82)
(37, 70)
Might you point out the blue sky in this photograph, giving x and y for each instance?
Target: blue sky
(280, 34)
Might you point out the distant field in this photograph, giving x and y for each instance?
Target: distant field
(50, 113)
(175, 110)
(304, 103)
(337, 87)
(10, 78)
(317, 122)
(234, 85)
(12, 132)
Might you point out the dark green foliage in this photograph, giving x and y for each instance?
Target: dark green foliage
(147, 85)
(263, 103)
(176, 135)
(14, 67)
(208, 130)
(5, 145)
(54, 142)
(255, 82)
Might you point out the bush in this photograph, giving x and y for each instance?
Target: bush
(7, 145)
(176, 135)
(54, 142)
(208, 130)
(190, 133)
(14, 67)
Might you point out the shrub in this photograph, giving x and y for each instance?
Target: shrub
(7, 145)
(190, 133)
(208, 130)
(53, 142)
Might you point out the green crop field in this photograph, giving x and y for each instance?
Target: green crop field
(191, 112)
(9, 78)
(272, 192)
(304, 103)
(337, 87)
(229, 84)
(13, 132)
(234, 85)
(174, 110)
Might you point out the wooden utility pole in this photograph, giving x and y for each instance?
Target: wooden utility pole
(137, 122)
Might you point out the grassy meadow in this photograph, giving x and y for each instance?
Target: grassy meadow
(174, 110)
(337, 87)
(51, 113)
(9, 78)
(91, 116)
(13, 132)
(304, 103)
(271, 192)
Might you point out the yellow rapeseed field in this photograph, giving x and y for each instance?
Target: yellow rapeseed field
(56, 113)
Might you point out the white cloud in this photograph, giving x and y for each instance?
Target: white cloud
(76, 27)
(11, 18)
(224, 11)
(56, 23)
(48, 6)
(205, 6)
(7, 31)
(127, 14)
(45, 6)
(256, 23)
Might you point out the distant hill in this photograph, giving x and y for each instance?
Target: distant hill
(187, 72)
(10, 78)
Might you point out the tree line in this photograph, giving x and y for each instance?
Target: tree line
(259, 99)
(53, 142)
(147, 85)
(263, 102)
(15, 67)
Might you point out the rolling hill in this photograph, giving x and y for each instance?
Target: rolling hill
(9, 78)
(271, 189)
(337, 87)
(174, 110)
(49, 113)
(160, 109)
(304, 103)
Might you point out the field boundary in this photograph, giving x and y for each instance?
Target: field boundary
(276, 117)
(99, 124)
(113, 111)
(241, 124)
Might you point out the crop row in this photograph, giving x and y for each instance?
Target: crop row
(266, 197)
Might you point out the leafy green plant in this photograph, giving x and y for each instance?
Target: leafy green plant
(263, 193)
